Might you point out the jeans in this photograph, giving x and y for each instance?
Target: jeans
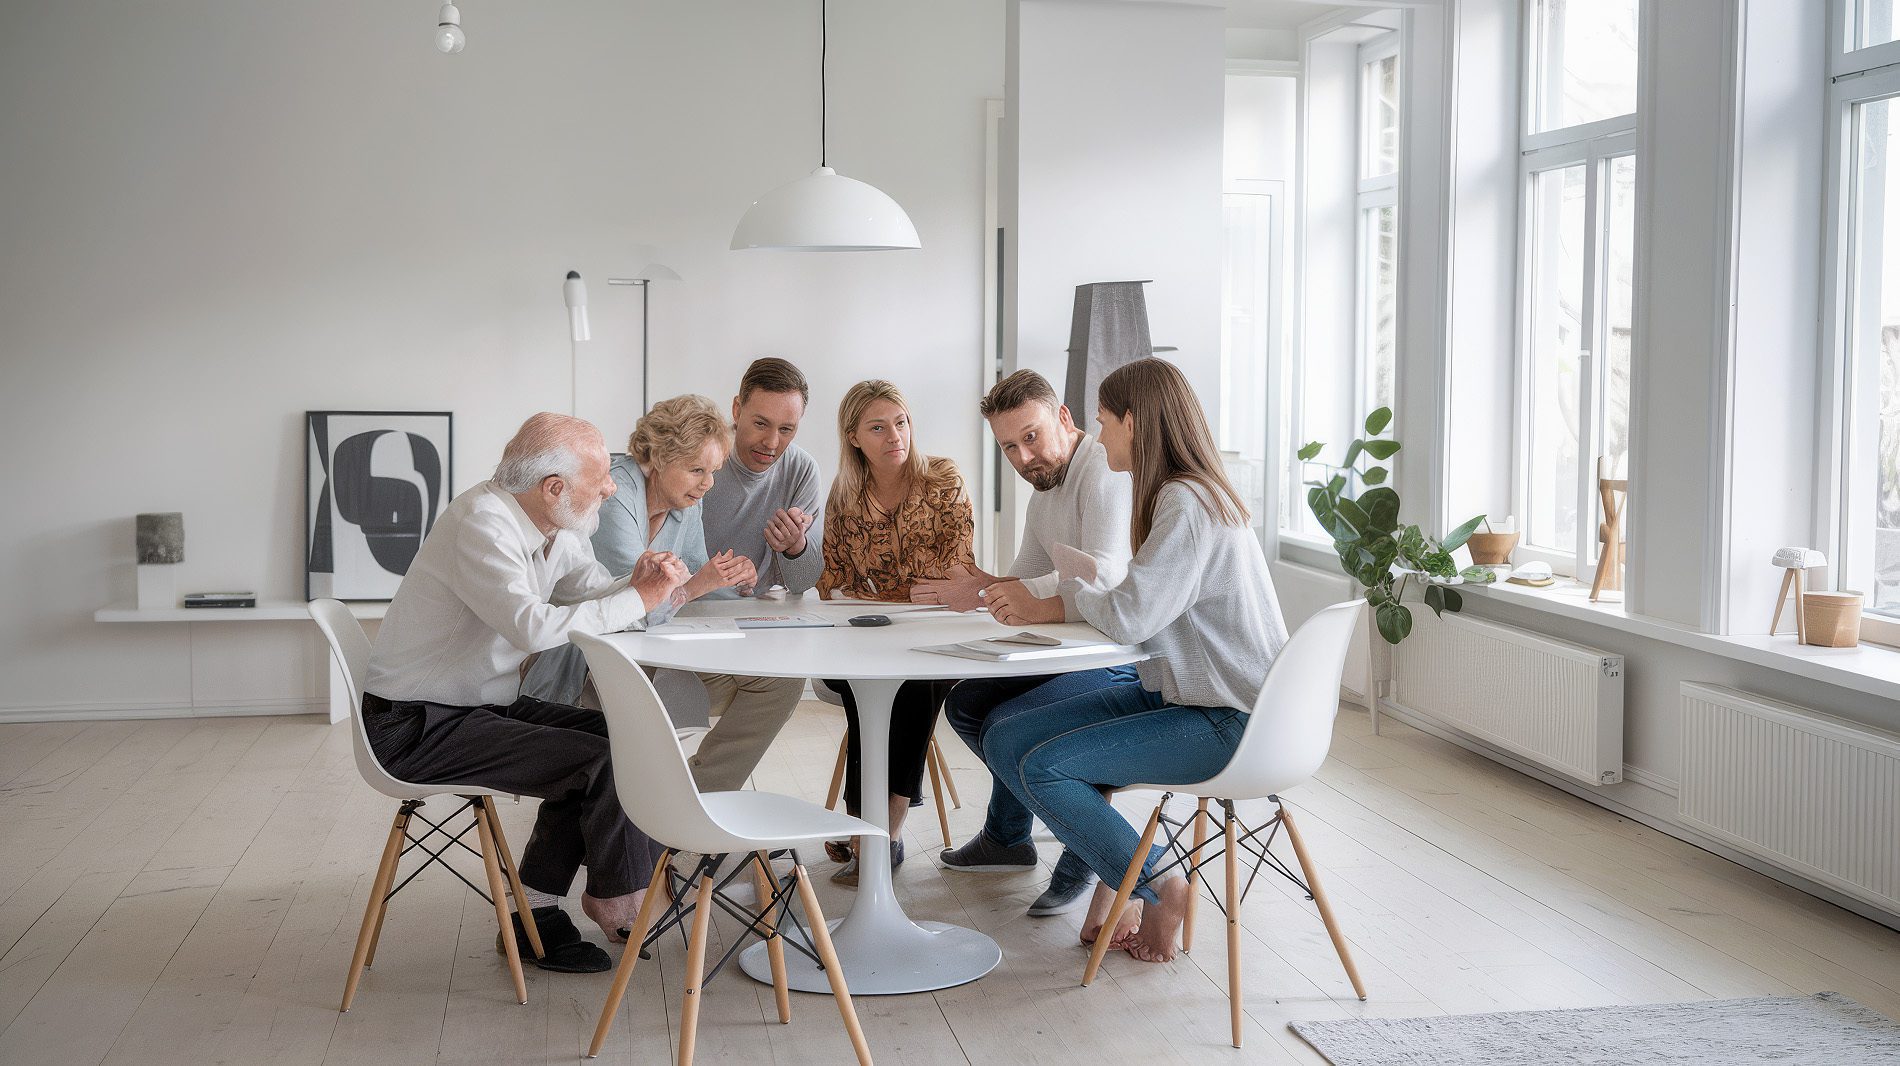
(1056, 757)
(976, 706)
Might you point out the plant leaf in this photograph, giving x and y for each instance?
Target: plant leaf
(1454, 600)
(1382, 449)
(1381, 507)
(1353, 513)
(1394, 621)
(1463, 533)
(1353, 451)
(1435, 598)
(1311, 449)
(1374, 476)
(1377, 421)
(1440, 564)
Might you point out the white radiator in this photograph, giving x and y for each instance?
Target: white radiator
(1806, 792)
(1553, 703)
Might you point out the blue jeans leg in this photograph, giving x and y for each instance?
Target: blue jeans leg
(974, 707)
(1110, 737)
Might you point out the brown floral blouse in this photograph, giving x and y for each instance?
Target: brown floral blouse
(871, 554)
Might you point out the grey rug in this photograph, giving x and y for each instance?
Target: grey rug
(1828, 1028)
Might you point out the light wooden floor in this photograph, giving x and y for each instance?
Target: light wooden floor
(189, 890)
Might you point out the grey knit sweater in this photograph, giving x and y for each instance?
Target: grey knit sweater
(1198, 599)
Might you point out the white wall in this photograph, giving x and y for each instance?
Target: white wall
(1258, 128)
(1114, 124)
(219, 214)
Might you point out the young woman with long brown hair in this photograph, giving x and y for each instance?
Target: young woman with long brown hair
(895, 517)
(1199, 601)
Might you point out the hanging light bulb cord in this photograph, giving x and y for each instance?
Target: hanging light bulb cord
(824, 110)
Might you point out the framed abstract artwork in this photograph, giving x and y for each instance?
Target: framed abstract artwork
(376, 482)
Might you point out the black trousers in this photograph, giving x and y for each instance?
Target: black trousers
(553, 752)
(913, 719)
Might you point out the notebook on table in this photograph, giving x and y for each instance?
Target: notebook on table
(783, 621)
(1017, 647)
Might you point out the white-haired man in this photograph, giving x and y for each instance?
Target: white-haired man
(506, 572)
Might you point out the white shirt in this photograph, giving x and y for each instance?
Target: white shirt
(487, 590)
(1089, 511)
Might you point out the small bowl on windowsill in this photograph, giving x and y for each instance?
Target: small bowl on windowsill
(1832, 619)
(1491, 549)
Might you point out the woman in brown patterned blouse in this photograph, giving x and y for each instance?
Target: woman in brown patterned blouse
(895, 517)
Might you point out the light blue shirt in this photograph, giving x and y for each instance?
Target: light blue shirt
(622, 536)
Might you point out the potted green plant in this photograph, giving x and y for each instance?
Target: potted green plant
(1389, 560)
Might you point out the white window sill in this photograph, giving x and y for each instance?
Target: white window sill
(1868, 668)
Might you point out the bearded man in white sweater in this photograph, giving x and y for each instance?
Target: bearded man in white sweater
(1079, 502)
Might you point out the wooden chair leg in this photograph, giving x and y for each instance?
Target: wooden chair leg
(762, 880)
(514, 879)
(498, 891)
(695, 970)
(373, 910)
(937, 796)
(943, 766)
(1233, 923)
(834, 970)
(1107, 932)
(1319, 897)
(1194, 876)
(837, 777)
(631, 956)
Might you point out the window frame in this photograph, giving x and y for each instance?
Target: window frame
(1375, 192)
(1856, 76)
(1595, 146)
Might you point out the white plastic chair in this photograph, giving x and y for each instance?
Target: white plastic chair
(351, 647)
(656, 789)
(1285, 742)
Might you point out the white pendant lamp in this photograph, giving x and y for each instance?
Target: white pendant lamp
(825, 211)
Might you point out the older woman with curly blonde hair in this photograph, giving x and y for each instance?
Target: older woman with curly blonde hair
(671, 457)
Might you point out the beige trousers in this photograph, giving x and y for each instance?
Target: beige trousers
(746, 712)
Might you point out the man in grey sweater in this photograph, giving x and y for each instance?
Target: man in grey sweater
(766, 504)
(1079, 502)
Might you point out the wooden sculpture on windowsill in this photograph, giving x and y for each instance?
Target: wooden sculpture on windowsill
(1795, 562)
(1614, 492)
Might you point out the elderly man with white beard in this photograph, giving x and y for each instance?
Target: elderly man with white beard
(506, 572)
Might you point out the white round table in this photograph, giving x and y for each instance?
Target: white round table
(882, 950)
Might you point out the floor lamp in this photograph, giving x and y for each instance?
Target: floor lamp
(648, 274)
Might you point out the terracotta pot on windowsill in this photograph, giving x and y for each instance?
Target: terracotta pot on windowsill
(1491, 549)
(1832, 619)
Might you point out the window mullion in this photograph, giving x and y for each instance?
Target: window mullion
(1590, 368)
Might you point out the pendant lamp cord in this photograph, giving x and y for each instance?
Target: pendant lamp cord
(824, 114)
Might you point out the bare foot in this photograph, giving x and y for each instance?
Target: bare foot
(1160, 934)
(614, 914)
(1099, 905)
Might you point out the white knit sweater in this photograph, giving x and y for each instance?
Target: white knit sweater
(1198, 599)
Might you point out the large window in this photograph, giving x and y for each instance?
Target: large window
(1347, 364)
(1575, 283)
(1863, 525)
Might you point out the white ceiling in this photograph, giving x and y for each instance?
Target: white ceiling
(1274, 14)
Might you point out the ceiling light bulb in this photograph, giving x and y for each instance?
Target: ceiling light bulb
(449, 38)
